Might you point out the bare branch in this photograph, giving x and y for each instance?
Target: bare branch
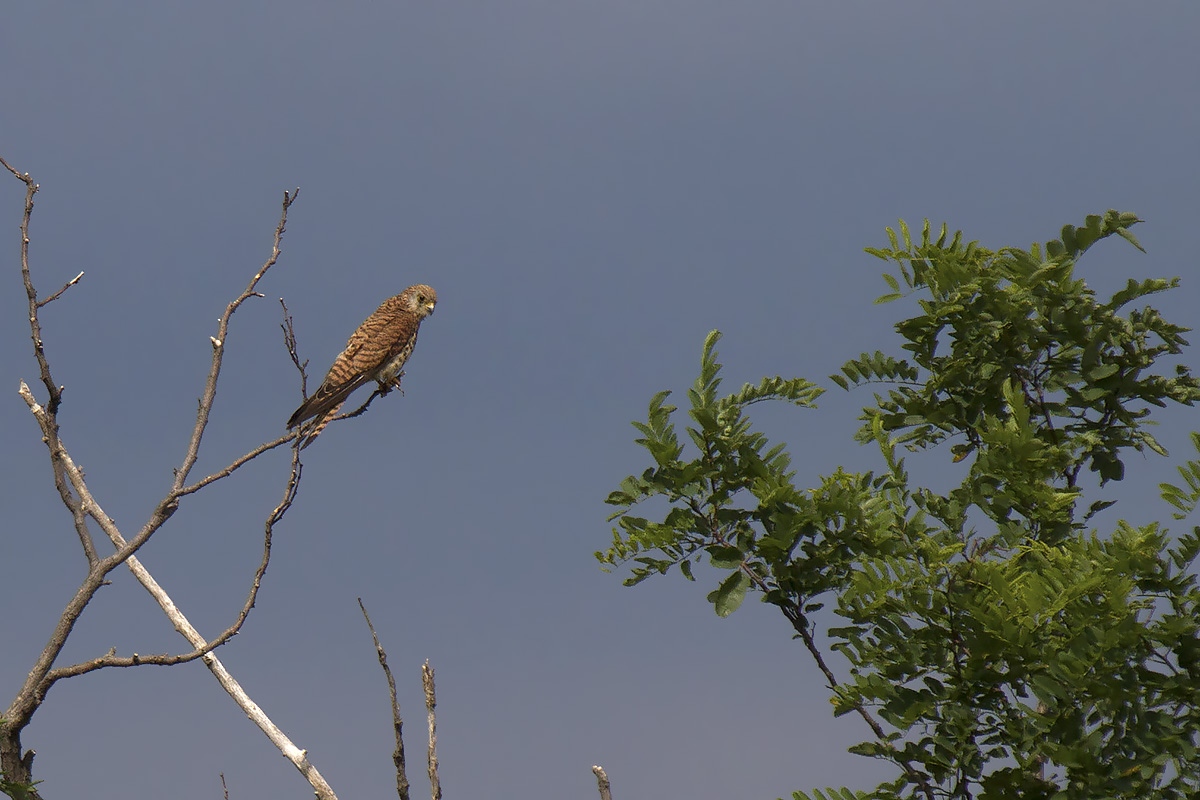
(435, 783)
(602, 780)
(397, 722)
(50, 430)
(87, 502)
(124, 553)
(70, 500)
(79, 500)
(380, 391)
(218, 346)
(224, 788)
(238, 462)
(289, 341)
(35, 327)
(111, 659)
(59, 293)
(14, 764)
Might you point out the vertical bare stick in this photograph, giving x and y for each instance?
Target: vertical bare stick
(397, 723)
(289, 341)
(602, 779)
(435, 785)
(52, 389)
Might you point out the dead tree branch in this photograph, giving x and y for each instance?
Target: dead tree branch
(218, 345)
(289, 341)
(35, 327)
(358, 412)
(237, 463)
(397, 722)
(435, 783)
(602, 780)
(59, 293)
(111, 659)
(76, 496)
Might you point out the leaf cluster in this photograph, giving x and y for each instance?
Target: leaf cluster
(732, 501)
(995, 647)
(1021, 318)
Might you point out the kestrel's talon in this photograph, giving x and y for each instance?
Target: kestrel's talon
(394, 383)
(376, 351)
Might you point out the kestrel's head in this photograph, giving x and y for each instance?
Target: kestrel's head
(419, 299)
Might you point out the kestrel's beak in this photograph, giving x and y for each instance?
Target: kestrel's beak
(429, 307)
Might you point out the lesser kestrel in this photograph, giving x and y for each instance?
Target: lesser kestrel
(376, 351)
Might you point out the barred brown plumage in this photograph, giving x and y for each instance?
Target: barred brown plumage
(376, 351)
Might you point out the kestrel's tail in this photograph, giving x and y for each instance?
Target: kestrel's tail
(314, 428)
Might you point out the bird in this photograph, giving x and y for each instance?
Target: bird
(377, 351)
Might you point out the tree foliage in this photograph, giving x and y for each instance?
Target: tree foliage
(994, 644)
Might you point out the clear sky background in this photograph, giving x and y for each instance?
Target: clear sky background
(591, 187)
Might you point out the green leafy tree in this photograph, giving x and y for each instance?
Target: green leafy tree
(995, 645)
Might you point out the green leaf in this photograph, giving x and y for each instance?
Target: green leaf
(725, 556)
(730, 594)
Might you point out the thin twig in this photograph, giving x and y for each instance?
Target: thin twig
(59, 293)
(602, 780)
(218, 346)
(235, 464)
(397, 722)
(361, 409)
(224, 788)
(35, 327)
(289, 341)
(380, 391)
(435, 784)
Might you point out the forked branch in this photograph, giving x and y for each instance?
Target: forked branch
(218, 345)
(79, 501)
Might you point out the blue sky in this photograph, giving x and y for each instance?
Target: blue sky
(590, 187)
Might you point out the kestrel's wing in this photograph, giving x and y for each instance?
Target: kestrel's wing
(340, 382)
(367, 350)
